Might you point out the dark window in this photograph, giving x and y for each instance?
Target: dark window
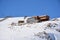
(20, 21)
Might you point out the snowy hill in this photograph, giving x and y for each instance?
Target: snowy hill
(47, 30)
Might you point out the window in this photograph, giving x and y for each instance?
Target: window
(20, 21)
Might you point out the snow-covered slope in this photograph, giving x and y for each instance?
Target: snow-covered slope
(48, 30)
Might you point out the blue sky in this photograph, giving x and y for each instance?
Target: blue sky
(29, 8)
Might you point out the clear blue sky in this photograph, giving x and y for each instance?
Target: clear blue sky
(29, 8)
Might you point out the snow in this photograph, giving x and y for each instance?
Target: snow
(28, 31)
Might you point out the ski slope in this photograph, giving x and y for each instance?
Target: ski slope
(35, 31)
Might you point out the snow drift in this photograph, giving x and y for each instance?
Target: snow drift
(47, 30)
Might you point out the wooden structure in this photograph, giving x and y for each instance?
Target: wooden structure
(41, 18)
(20, 22)
(33, 19)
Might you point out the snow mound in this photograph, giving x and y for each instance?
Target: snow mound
(48, 30)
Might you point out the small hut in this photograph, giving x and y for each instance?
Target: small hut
(44, 18)
(41, 18)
